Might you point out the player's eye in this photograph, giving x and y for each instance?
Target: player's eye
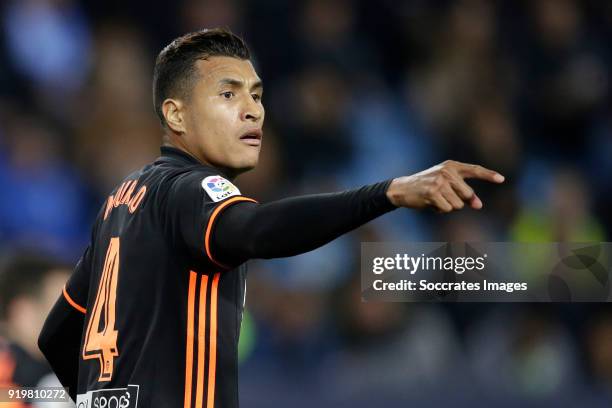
(228, 95)
(256, 97)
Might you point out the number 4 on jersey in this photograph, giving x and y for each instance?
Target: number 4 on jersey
(101, 336)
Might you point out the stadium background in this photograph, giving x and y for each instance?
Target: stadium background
(356, 92)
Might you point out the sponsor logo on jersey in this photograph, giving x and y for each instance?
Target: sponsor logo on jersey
(219, 188)
(110, 398)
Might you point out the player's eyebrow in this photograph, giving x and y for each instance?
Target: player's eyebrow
(238, 83)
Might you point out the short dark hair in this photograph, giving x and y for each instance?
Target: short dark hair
(22, 274)
(175, 70)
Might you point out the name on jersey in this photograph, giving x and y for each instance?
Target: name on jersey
(219, 188)
(125, 196)
(110, 398)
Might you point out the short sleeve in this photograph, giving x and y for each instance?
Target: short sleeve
(195, 202)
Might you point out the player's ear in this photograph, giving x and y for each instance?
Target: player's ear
(174, 114)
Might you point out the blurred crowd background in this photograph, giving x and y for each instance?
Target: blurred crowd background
(356, 92)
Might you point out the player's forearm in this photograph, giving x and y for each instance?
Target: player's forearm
(295, 225)
(59, 341)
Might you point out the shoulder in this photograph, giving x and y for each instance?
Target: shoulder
(203, 183)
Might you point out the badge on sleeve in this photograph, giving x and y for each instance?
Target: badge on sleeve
(219, 188)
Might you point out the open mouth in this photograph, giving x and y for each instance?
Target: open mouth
(252, 137)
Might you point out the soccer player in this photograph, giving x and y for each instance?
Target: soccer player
(152, 313)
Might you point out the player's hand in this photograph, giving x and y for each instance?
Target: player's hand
(441, 187)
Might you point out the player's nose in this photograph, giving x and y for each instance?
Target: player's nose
(252, 112)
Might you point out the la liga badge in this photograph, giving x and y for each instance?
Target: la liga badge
(219, 188)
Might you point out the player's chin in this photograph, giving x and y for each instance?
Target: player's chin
(251, 156)
(247, 162)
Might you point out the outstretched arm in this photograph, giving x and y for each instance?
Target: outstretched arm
(299, 224)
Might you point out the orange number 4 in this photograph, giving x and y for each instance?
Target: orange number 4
(101, 336)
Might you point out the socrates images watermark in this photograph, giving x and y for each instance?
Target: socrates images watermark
(489, 272)
(458, 265)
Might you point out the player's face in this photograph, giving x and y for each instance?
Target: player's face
(224, 116)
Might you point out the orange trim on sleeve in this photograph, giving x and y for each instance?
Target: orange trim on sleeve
(201, 342)
(189, 348)
(211, 222)
(212, 359)
(72, 302)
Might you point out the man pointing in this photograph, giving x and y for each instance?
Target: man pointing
(151, 315)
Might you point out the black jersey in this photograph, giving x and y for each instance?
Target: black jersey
(162, 316)
(159, 293)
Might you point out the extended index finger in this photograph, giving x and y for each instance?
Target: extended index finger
(466, 170)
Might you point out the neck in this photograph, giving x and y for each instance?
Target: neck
(178, 143)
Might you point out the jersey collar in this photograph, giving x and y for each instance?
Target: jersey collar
(181, 158)
(178, 156)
